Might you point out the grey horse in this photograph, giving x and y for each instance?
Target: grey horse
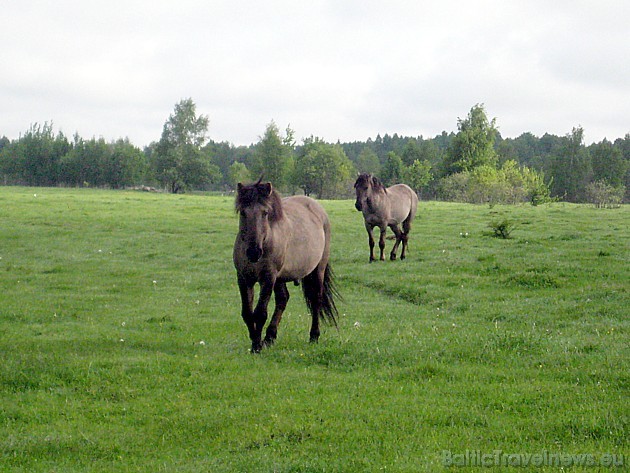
(280, 241)
(386, 207)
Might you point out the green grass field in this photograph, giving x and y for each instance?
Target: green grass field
(122, 346)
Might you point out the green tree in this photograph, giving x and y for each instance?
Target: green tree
(506, 151)
(34, 159)
(178, 161)
(418, 175)
(538, 191)
(274, 156)
(608, 164)
(623, 144)
(411, 153)
(322, 169)
(221, 155)
(85, 164)
(368, 161)
(199, 172)
(126, 166)
(8, 163)
(571, 168)
(393, 170)
(509, 184)
(237, 172)
(289, 137)
(305, 174)
(5, 160)
(603, 195)
(429, 151)
(528, 149)
(473, 145)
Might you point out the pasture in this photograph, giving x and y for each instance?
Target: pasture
(122, 347)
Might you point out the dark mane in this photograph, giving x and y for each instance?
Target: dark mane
(361, 179)
(377, 185)
(263, 194)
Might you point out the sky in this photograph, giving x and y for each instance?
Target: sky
(344, 70)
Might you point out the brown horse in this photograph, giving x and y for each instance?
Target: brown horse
(383, 207)
(279, 241)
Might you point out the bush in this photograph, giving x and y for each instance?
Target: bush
(486, 184)
(603, 195)
(502, 228)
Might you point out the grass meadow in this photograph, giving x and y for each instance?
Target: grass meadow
(122, 346)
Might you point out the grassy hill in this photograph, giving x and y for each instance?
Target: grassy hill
(122, 346)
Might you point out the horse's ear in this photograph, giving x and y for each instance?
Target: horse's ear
(266, 189)
(375, 181)
(239, 187)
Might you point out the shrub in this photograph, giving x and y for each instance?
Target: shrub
(502, 228)
(485, 184)
(603, 195)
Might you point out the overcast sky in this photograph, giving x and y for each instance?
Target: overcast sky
(339, 70)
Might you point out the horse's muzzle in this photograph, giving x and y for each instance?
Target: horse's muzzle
(357, 205)
(254, 254)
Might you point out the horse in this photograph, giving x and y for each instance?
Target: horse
(383, 207)
(281, 240)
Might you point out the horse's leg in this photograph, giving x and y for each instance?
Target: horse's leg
(370, 232)
(399, 237)
(282, 298)
(247, 305)
(313, 286)
(260, 312)
(314, 333)
(405, 235)
(381, 242)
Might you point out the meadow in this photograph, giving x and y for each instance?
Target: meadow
(122, 347)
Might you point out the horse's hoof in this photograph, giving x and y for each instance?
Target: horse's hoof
(268, 341)
(256, 347)
(314, 339)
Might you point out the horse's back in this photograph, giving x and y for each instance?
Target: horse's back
(304, 203)
(308, 238)
(305, 210)
(403, 200)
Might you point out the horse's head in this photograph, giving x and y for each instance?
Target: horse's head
(259, 207)
(365, 186)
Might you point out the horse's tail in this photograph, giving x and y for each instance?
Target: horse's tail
(322, 296)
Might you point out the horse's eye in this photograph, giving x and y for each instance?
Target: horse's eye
(242, 212)
(265, 213)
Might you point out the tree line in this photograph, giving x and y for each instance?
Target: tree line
(475, 164)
